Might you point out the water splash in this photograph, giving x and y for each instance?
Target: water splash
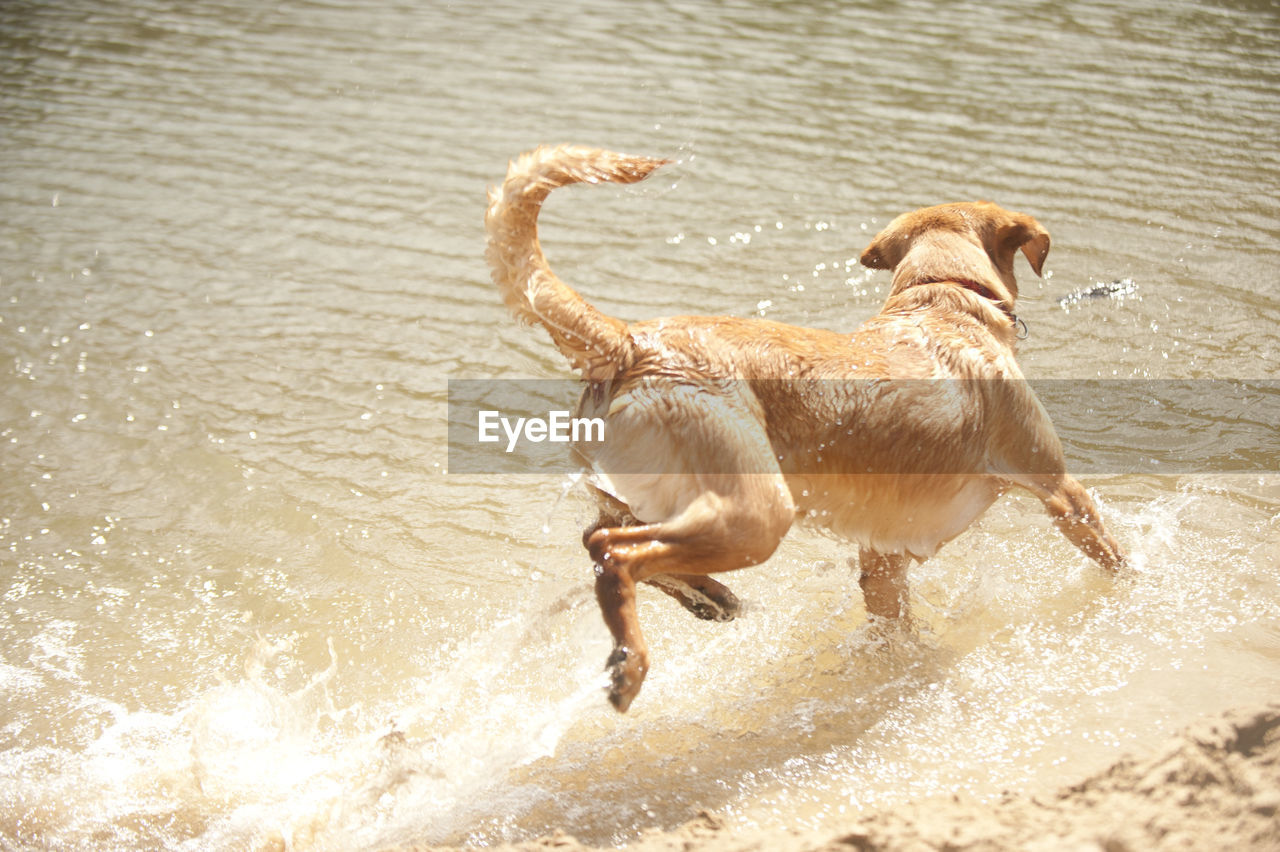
(568, 484)
(1117, 291)
(249, 738)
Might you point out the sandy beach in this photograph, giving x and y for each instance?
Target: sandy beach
(1216, 785)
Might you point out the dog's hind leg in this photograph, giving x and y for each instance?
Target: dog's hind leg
(629, 661)
(737, 520)
(702, 596)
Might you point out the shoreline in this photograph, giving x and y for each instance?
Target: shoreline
(1214, 785)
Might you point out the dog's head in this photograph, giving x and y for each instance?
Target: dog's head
(974, 241)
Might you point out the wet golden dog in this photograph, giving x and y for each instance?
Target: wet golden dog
(721, 430)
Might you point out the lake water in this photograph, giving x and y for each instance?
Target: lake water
(244, 604)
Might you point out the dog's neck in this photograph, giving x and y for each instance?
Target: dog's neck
(948, 258)
(982, 290)
(1017, 326)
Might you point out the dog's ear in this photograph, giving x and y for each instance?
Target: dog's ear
(1022, 232)
(873, 256)
(888, 247)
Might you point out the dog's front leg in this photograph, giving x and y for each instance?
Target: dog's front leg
(1075, 515)
(883, 578)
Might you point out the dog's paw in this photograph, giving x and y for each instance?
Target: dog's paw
(626, 671)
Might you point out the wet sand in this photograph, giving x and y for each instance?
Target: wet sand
(1216, 785)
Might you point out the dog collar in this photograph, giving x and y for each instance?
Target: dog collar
(985, 292)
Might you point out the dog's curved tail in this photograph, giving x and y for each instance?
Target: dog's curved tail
(593, 342)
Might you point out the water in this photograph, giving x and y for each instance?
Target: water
(245, 605)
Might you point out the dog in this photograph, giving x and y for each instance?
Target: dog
(721, 431)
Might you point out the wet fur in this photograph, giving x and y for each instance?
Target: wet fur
(721, 430)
